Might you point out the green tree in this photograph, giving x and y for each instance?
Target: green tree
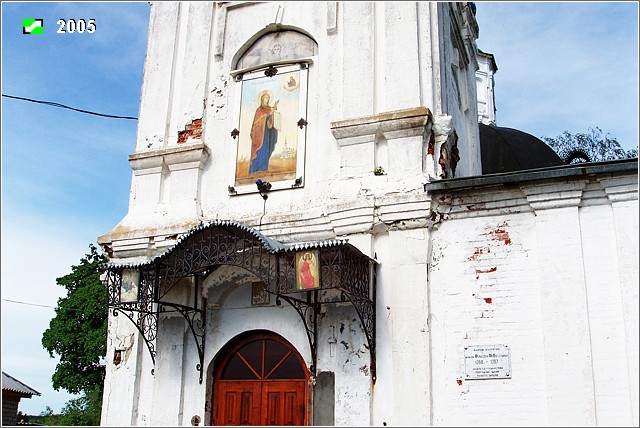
(48, 411)
(46, 417)
(84, 410)
(78, 335)
(593, 146)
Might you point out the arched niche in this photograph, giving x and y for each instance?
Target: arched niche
(277, 45)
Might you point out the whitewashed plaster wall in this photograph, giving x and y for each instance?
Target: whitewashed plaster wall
(381, 80)
(128, 388)
(547, 270)
(341, 343)
(374, 58)
(379, 83)
(402, 392)
(485, 84)
(459, 96)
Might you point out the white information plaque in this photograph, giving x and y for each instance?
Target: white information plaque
(487, 362)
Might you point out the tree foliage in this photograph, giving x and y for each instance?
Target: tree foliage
(594, 145)
(78, 335)
(84, 410)
(46, 417)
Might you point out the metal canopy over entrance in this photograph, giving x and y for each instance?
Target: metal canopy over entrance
(140, 290)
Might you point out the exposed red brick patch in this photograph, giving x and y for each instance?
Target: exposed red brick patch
(193, 130)
(493, 269)
(454, 157)
(459, 381)
(432, 142)
(488, 300)
(479, 251)
(479, 271)
(500, 233)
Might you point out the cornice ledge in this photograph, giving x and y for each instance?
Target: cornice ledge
(196, 152)
(394, 124)
(620, 189)
(552, 196)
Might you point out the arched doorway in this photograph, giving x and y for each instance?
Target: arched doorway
(261, 380)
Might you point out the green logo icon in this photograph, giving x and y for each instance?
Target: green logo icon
(32, 26)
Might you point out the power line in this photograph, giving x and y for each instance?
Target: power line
(42, 306)
(67, 309)
(50, 103)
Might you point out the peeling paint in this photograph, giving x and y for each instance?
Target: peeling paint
(437, 253)
(500, 233)
(492, 269)
(485, 314)
(191, 130)
(435, 218)
(475, 207)
(432, 142)
(123, 345)
(218, 97)
(445, 199)
(479, 251)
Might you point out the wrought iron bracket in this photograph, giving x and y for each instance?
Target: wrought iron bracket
(365, 309)
(143, 313)
(341, 268)
(147, 325)
(196, 320)
(308, 312)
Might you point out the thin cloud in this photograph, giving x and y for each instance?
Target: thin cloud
(564, 66)
(57, 250)
(112, 24)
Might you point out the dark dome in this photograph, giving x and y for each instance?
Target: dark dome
(509, 150)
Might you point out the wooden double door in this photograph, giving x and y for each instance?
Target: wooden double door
(262, 380)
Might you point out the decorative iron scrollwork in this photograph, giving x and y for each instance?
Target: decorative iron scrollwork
(342, 268)
(196, 320)
(143, 313)
(365, 309)
(302, 123)
(235, 133)
(308, 312)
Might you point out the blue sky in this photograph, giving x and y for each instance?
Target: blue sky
(66, 176)
(564, 66)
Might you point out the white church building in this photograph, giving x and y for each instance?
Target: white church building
(321, 233)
